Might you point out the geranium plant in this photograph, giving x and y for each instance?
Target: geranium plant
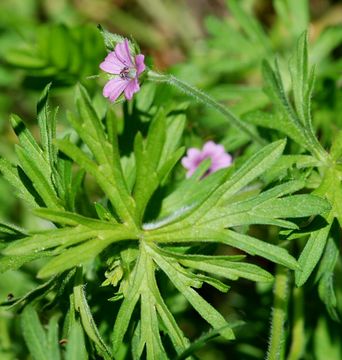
(167, 221)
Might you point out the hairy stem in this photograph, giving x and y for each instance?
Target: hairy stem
(277, 336)
(205, 99)
(298, 337)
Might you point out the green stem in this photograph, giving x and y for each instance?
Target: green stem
(205, 99)
(277, 337)
(298, 337)
(315, 146)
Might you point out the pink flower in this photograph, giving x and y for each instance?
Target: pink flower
(216, 153)
(121, 63)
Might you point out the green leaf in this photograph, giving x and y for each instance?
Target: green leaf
(179, 341)
(251, 169)
(13, 262)
(10, 231)
(12, 175)
(243, 242)
(47, 127)
(78, 255)
(192, 191)
(265, 207)
(75, 347)
(52, 339)
(325, 274)
(110, 39)
(92, 132)
(124, 208)
(150, 328)
(73, 219)
(228, 269)
(175, 124)
(248, 218)
(302, 86)
(88, 322)
(274, 88)
(131, 298)
(254, 246)
(156, 139)
(149, 321)
(34, 334)
(150, 170)
(293, 206)
(49, 239)
(225, 266)
(166, 168)
(28, 142)
(40, 181)
(312, 252)
(219, 195)
(277, 121)
(181, 282)
(302, 81)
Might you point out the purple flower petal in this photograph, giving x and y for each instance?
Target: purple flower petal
(139, 63)
(131, 88)
(216, 153)
(193, 153)
(212, 150)
(123, 53)
(114, 88)
(112, 64)
(224, 161)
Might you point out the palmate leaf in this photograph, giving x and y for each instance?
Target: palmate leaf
(91, 130)
(199, 211)
(42, 176)
(181, 282)
(295, 117)
(180, 230)
(144, 288)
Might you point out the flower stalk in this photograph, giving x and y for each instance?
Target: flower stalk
(276, 347)
(207, 100)
(298, 336)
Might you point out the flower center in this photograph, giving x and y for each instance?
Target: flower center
(126, 73)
